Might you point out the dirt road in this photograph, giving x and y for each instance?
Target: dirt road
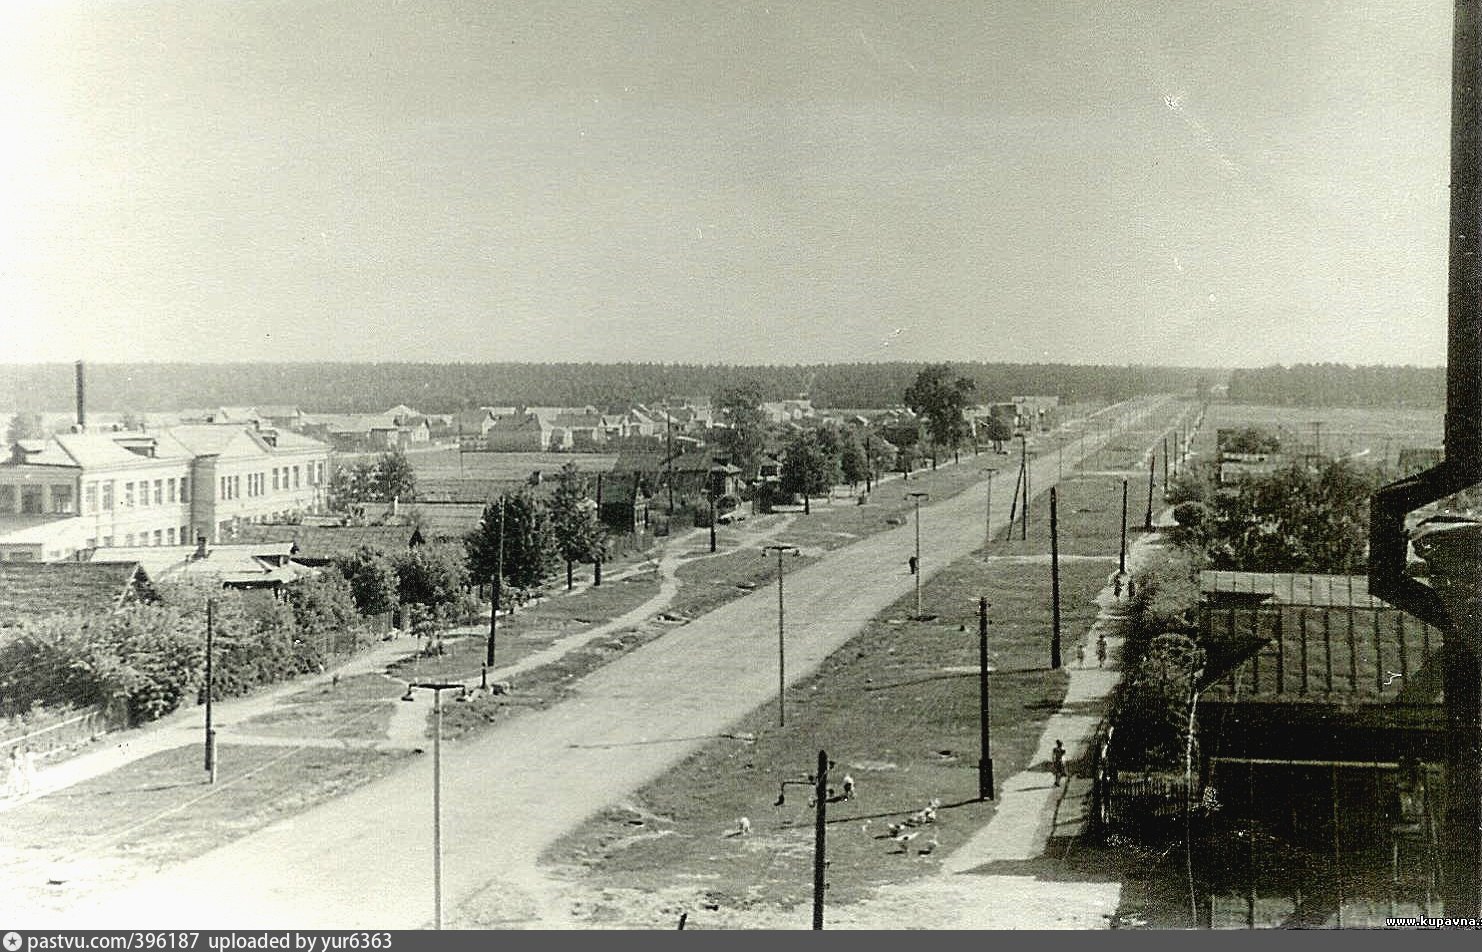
(365, 861)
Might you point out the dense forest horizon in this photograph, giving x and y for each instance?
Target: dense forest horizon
(445, 388)
(1340, 385)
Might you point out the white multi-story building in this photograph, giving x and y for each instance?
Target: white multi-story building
(75, 492)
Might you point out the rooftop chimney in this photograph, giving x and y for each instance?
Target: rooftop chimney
(81, 401)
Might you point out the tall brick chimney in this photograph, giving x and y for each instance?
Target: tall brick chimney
(81, 399)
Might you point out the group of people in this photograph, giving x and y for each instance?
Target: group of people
(20, 776)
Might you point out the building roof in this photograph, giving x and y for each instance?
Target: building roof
(251, 563)
(38, 589)
(327, 542)
(443, 520)
(24, 529)
(1288, 589)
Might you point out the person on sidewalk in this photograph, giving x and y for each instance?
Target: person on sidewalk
(1080, 655)
(1117, 586)
(13, 779)
(28, 769)
(1057, 762)
(1101, 651)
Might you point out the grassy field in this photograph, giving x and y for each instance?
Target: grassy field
(159, 811)
(357, 708)
(1377, 433)
(896, 708)
(513, 467)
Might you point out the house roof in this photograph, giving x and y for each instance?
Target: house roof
(443, 520)
(327, 542)
(1288, 589)
(38, 589)
(233, 564)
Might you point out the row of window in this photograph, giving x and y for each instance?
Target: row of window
(99, 496)
(284, 478)
(168, 536)
(104, 495)
(35, 500)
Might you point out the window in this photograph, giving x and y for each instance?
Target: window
(185, 489)
(31, 500)
(169, 490)
(128, 499)
(275, 479)
(159, 537)
(89, 499)
(170, 535)
(295, 477)
(236, 487)
(108, 495)
(129, 539)
(222, 492)
(7, 499)
(107, 541)
(159, 492)
(61, 498)
(185, 535)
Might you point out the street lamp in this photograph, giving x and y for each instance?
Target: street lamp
(819, 781)
(437, 688)
(781, 651)
(916, 497)
(985, 756)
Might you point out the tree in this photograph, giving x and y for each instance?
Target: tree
(807, 467)
(741, 407)
(1153, 705)
(323, 606)
(394, 478)
(852, 462)
(941, 401)
(529, 549)
(25, 426)
(998, 431)
(1295, 520)
(575, 522)
(434, 575)
(1250, 439)
(351, 484)
(373, 580)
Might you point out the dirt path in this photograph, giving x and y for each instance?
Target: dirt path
(365, 860)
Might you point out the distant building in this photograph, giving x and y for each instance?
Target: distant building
(320, 545)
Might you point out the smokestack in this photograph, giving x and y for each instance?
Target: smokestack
(81, 399)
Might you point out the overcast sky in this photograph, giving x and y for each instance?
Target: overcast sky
(1173, 181)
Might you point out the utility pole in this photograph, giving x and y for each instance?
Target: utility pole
(1014, 505)
(1054, 583)
(1122, 553)
(1024, 464)
(437, 689)
(1165, 468)
(210, 731)
(781, 649)
(1317, 437)
(669, 437)
(985, 755)
(1152, 479)
(496, 587)
(820, 838)
(917, 497)
(869, 465)
(988, 513)
(597, 562)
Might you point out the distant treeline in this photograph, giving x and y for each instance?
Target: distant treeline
(1340, 385)
(444, 388)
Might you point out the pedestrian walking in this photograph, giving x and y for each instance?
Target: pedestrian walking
(848, 787)
(1101, 651)
(1131, 591)
(1080, 655)
(28, 770)
(1117, 586)
(1057, 762)
(911, 564)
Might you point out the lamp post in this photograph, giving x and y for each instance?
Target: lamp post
(437, 688)
(916, 497)
(1054, 581)
(781, 649)
(819, 781)
(210, 731)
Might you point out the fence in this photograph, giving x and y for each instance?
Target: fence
(55, 733)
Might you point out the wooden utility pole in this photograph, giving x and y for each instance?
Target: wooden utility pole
(210, 730)
(1024, 466)
(1165, 467)
(820, 837)
(1122, 553)
(496, 587)
(597, 562)
(985, 753)
(669, 437)
(1152, 481)
(1054, 582)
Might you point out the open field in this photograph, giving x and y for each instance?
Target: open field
(160, 811)
(445, 463)
(356, 708)
(1371, 434)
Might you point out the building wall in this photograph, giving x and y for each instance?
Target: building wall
(265, 488)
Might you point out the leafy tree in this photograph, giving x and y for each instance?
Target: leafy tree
(852, 462)
(741, 407)
(998, 431)
(1295, 520)
(373, 579)
(24, 426)
(433, 575)
(529, 546)
(323, 606)
(941, 400)
(1153, 705)
(351, 484)
(394, 477)
(879, 452)
(575, 522)
(1250, 439)
(808, 468)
